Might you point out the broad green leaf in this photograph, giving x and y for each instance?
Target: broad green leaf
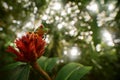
(47, 63)
(10, 66)
(50, 64)
(79, 73)
(41, 61)
(21, 73)
(72, 71)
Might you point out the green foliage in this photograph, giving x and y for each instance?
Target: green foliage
(72, 71)
(47, 63)
(16, 71)
(69, 72)
(10, 66)
(21, 73)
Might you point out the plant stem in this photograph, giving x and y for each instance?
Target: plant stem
(40, 70)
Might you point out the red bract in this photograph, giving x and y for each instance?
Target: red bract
(30, 47)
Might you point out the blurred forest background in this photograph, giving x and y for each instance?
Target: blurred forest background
(84, 31)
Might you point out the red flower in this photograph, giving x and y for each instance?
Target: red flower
(30, 47)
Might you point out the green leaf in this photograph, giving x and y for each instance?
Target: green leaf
(21, 73)
(50, 64)
(10, 66)
(42, 60)
(79, 73)
(72, 71)
(47, 63)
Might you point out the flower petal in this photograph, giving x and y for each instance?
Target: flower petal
(12, 50)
